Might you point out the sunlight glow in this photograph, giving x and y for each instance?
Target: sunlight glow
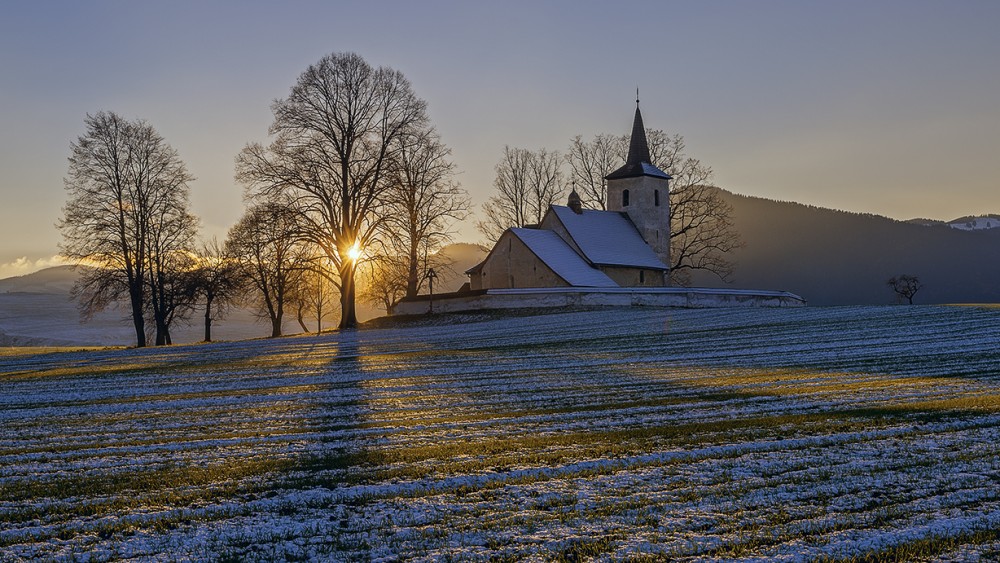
(354, 252)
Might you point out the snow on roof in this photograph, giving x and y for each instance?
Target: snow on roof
(608, 238)
(564, 261)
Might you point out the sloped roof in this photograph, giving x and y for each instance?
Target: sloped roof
(638, 162)
(551, 249)
(608, 238)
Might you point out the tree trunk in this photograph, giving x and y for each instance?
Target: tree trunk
(275, 313)
(299, 314)
(162, 332)
(348, 313)
(208, 319)
(411, 277)
(137, 320)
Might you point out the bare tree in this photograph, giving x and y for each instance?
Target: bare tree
(170, 241)
(264, 243)
(217, 279)
(315, 293)
(423, 201)
(334, 145)
(385, 281)
(905, 286)
(702, 231)
(527, 182)
(387, 277)
(172, 293)
(126, 215)
(590, 161)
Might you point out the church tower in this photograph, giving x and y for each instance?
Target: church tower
(641, 190)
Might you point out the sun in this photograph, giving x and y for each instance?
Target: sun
(354, 252)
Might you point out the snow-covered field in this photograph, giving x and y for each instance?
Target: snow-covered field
(777, 434)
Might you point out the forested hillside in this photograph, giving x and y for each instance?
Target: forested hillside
(837, 258)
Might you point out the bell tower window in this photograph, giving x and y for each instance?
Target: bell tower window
(656, 198)
(624, 198)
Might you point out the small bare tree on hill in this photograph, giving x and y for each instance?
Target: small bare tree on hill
(905, 286)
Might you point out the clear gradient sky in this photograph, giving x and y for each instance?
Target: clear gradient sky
(888, 107)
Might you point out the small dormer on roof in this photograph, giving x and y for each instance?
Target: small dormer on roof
(638, 162)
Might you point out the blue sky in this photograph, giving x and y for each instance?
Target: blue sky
(882, 107)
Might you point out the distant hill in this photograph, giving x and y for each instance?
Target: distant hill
(462, 257)
(838, 258)
(58, 279)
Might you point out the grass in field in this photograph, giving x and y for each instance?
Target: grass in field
(17, 351)
(979, 305)
(504, 452)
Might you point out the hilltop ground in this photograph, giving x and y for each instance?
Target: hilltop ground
(786, 434)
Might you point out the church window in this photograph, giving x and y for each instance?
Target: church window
(624, 198)
(656, 198)
(642, 276)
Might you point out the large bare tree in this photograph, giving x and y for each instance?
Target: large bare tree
(527, 183)
(127, 216)
(334, 145)
(701, 224)
(422, 202)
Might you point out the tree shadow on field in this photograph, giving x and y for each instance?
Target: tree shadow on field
(340, 411)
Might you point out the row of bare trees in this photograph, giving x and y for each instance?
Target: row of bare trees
(354, 175)
(701, 224)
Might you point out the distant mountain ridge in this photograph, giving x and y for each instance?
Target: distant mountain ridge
(835, 257)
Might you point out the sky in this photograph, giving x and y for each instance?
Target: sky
(886, 107)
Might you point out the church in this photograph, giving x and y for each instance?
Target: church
(626, 246)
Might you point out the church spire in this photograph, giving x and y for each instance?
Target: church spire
(638, 148)
(638, 162)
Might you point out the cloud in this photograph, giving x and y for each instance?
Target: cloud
(25, 265)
